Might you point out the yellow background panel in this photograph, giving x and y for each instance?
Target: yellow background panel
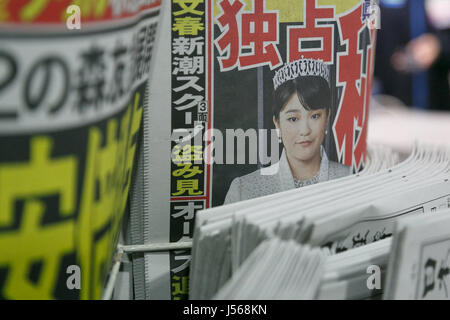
(292, 10)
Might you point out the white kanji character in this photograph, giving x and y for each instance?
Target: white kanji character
(186, 46)
(186, 228)
(187, 211)
(180, 45)
(191, 83)
(187, 96)
(188, 65)
(182, 267)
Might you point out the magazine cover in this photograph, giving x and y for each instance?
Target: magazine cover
(74, 79)
(249, 98)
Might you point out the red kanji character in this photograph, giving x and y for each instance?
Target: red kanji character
(228, 42)
(309, 40)
(259, 28)
(352, 114)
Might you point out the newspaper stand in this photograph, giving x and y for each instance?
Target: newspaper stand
(126, 249)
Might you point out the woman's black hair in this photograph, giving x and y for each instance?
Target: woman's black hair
(312, 91)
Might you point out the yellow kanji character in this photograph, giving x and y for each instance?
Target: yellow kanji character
(104, 194)
(29, 181)
(187, 171)
(181, 154)
(197, 153)
(187, 154)
(189, 186)
(180, 287)
(188, 26)
(188, 9)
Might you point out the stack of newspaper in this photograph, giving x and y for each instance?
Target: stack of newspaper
(289, 270)
(337, 216)
(356, 274)
(379, 157)
(286, 270)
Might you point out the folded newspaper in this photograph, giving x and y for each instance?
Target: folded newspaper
(413, 264)
(419, 264)
(287, 270)
(338, 216)
(74, 81)
(277, 270)
(249, 98)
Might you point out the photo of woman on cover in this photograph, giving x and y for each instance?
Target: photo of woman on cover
(301, 114)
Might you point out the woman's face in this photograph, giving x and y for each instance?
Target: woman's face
(302, 131)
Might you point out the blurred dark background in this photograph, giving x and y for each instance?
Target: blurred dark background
(413, 53)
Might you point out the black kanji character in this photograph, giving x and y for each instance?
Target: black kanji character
(91, 81)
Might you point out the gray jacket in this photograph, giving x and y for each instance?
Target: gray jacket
(277, 178)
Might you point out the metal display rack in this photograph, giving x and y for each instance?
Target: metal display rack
(127, 249)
